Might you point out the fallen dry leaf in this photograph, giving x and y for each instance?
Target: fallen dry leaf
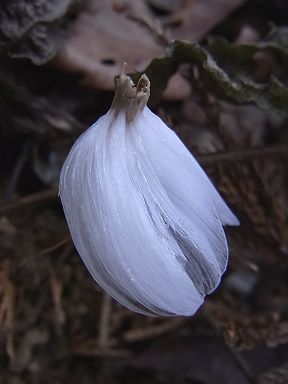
(101, 39)
(105, 36)
(204, 16)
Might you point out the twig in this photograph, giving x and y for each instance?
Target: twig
(33, 199)
(64, 241)
(241, 362)
(104, 326)
(244, 154)
(88, 351)
(241, 155)
(153, 331)
(17, 170)
(7, 302)
(57, 290)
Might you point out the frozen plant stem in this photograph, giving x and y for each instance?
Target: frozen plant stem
(143, 215)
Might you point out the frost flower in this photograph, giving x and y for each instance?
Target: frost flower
(143, 215)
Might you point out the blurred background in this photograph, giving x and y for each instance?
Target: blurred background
(222, 86)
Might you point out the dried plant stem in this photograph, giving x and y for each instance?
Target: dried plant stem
(65, 240)
(104, 326)
(244, 154)
(206, 159)
(18, 169)
(33, 199)
(57, 290)
(134, 335)
(241, 362)
(7, 303)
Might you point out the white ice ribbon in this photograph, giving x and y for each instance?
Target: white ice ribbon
(143, 215)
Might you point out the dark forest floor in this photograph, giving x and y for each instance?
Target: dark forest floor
(57, 77)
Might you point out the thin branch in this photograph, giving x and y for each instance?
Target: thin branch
(17, 170)
(237, 357)
(60, 244)
(138, 334)
(104, 326)
(30, 200)
(240, 155)
(244, 154)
